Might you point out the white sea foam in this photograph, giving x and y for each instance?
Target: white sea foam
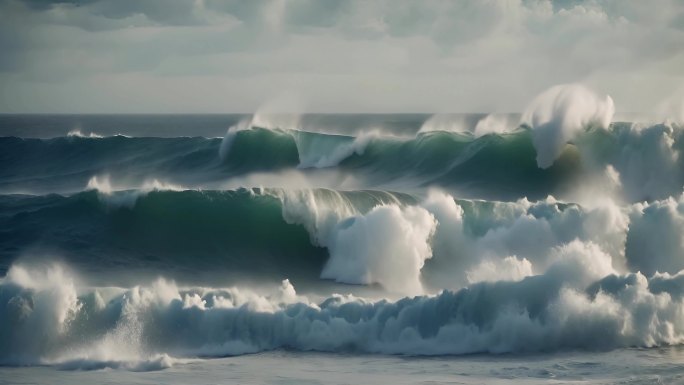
(490, 124)
(558, 114)
(388, 245)
(79, 134)
(440, 243)
(126, 195)
(578, 302)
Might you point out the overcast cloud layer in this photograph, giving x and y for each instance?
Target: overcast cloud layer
(333, 56)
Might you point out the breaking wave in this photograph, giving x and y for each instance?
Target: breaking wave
(407, 244)
(560, 230)
(578, 302)
(644, 161)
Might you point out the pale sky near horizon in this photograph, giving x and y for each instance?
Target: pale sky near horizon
(160, 56)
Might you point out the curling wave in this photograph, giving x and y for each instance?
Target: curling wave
(408, 244)
(644, 161)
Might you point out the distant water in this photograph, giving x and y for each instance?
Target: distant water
(339, 248)
(208, 126)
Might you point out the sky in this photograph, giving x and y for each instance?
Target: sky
(210, 56)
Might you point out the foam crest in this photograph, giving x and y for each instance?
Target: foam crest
(633, 161)
(445, 122)
(78, 134)
(126, 195)
(52, 321)
(229, 138)
(269, 116)
(494, 124)
(507, 269)
(645, 161)
(511, 240)
(361, 237)
(655, 242)
(489, 124)
(568, 306)
(558, 114)
(449, 243)
(100, 184)
(388, 245)
(104, 185)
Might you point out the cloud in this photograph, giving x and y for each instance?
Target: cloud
(437, 56)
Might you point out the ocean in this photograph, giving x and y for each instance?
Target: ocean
(340, 248)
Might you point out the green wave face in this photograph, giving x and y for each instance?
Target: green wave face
(233, 231)
(491, 165)
(494, 166)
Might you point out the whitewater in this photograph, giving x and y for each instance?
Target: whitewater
(544, 246)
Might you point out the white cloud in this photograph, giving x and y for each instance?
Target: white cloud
(402, 56)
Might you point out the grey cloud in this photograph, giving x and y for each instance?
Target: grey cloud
(454, 55)
(171, 12)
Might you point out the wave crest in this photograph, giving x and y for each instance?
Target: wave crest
(548, 312)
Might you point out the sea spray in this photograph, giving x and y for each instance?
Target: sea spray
(558, 114)
(573, 304)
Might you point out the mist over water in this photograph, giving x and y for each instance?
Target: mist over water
(126, 245)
